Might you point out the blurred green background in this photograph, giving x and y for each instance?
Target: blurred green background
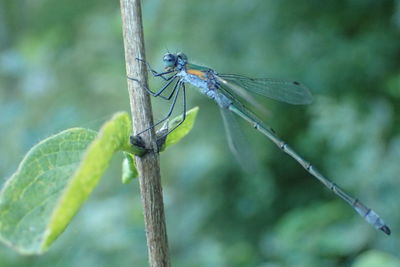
(62, 65)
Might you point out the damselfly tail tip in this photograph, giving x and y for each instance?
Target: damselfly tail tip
(385, 229)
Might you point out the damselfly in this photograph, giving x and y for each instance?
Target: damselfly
(227, 90)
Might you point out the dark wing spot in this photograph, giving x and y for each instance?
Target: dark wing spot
(296, 83)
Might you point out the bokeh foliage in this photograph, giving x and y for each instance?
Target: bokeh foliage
(62, 65)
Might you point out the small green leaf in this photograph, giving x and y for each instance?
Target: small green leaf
(129, 171)
(53, 181)
(180, 132)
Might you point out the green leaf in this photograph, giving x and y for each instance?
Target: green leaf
(113, 136)
(53, 181)
(58, 174)
(29, 197)
(372, 258)
(129, 171)
(180, 132)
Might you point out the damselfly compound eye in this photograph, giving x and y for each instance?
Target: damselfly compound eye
(169, 60)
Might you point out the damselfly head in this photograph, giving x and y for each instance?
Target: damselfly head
(172, 61)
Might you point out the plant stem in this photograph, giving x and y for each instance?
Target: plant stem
(148, 165)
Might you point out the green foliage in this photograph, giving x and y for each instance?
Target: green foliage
(112, 137)
(58, 175)
(54, 180)
(30, 196)
(373, 258)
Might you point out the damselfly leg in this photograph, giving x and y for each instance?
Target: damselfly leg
(156, 73)
(178, 86)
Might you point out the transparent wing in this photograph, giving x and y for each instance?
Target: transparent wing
(291, 92)
(237, 142)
